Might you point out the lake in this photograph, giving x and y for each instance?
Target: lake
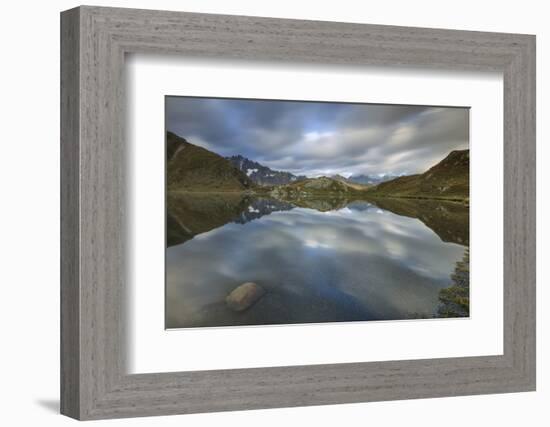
(317, 260)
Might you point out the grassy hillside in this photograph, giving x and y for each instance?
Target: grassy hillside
(449, 179)
(193, 168)
(352, 184)
(322, 186)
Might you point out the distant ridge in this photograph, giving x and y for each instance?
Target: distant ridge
(371, 179)
(262, 175)
(322, 186)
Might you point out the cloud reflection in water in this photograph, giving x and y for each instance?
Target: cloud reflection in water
(355, 263)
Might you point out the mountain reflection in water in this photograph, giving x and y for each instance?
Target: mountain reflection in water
(319, 260)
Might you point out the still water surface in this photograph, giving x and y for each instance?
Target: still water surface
(318, 260)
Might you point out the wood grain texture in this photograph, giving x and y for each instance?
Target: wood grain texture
(70, 315)
(95, 383)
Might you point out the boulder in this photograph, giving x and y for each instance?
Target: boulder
(244, 296)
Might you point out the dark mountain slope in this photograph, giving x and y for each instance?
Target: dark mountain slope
(193, 168)
(449, 179)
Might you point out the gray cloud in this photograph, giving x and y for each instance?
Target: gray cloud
(317, 138)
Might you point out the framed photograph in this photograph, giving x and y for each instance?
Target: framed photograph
(263, 213)
(357, 212)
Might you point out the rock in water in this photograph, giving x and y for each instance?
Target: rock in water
(244, 296)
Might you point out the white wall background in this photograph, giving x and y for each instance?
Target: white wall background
(29, 226)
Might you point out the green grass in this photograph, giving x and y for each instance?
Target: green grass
(193, 168)
(447, 180)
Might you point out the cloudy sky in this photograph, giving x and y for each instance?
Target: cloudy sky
(320, 138)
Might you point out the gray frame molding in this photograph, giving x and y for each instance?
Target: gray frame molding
(94, 40)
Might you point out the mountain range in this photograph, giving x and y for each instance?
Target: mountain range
(195, 169)
(260, 174)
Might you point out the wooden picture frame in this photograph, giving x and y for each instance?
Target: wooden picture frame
(94, 382)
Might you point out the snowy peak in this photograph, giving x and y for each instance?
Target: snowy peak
(261, 174)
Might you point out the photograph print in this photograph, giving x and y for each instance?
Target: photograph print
(295, 212)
